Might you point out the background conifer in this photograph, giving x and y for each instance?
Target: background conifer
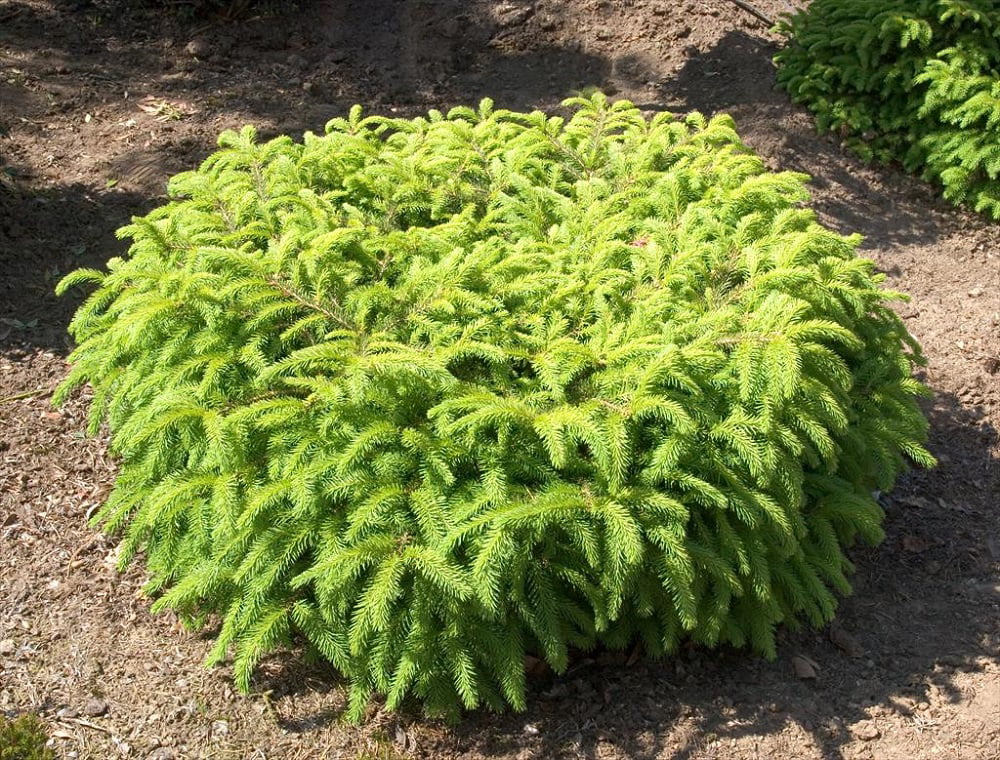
(914, 81)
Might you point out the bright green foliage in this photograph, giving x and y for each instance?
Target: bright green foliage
(435, 394)
(917, 81)
(24, 738)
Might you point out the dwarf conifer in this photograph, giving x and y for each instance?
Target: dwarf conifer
(434, 394)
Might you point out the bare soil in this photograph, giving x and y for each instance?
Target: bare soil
(102, 100)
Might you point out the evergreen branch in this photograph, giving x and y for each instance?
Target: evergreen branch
(912, 81)
(303, 301)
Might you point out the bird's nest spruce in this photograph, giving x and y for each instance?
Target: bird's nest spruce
(434, 394)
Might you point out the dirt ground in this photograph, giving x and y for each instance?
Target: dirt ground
(102, 100)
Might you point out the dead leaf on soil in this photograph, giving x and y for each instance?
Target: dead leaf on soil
(866, 730)
(164, 110)
(805, 668)
(993, 546)
(845, 641)
(914, 544)
(534, 666)
(95, 708)
(404, 739)
(111, 559)
(916, 501)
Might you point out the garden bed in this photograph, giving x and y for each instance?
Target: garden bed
(100, 105)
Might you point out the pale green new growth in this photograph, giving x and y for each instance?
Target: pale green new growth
(435, 394)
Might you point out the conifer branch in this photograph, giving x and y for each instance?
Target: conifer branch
(299, 299)
(908, 81)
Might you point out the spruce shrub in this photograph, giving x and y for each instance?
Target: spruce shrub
(914, 81)
(24, 738)
(435, 394)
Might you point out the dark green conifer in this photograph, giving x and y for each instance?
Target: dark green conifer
(914, 81)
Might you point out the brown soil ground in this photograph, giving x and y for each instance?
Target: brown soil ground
(100, 103)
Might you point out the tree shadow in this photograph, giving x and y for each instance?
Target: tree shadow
(887, 205)
(297, 70)
(45, 234)
(161, 87)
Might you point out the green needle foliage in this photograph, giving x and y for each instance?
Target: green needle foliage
(24, 738)
(914, 81)
(434, 394)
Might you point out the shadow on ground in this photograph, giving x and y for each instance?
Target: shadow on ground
(309, 65)
(885, 204)
(44, 234)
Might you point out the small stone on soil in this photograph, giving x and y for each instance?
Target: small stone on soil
(866, 731)
(804, 668)
(845, 642)
(95, 708)
(199, 47)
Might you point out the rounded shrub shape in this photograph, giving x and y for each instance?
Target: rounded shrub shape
(435, 394)
(915, 81)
